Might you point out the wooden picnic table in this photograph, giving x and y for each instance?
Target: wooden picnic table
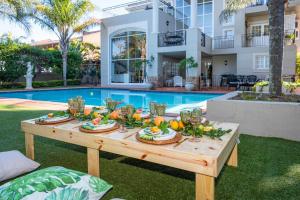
(205, 158)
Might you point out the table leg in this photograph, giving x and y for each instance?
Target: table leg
(29, 145)
(93, 162)
(205, 187)
(233, 159)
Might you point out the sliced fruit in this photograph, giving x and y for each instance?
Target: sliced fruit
(137, 116)
(174, 125)
(158, 120)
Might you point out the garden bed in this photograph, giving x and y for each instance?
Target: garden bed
(251, 96)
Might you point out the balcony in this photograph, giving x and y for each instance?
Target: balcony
(169, 39)
(257, 40)
(258, 3)
(222, 42)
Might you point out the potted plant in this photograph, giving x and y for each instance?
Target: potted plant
(186, 64)
(261, 87)
(290, 38)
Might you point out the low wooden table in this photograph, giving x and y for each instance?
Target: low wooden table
(205, 158)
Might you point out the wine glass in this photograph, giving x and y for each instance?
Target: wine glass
(123, 116)
(160, 109)
(152, 108)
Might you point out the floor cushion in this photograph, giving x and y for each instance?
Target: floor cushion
(14, 163)
(55, 183)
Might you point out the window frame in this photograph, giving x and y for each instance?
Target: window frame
(266, 62)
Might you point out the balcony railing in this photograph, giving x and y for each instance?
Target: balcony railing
(254, 40)
(222, 42)
(177, 38)
(257, 40)
(258, 3)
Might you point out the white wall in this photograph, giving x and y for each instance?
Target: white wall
(269, 119)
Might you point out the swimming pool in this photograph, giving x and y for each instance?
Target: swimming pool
(96, 96)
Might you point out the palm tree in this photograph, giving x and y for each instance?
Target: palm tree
(65, 18)
(16, 11)
(276, 10)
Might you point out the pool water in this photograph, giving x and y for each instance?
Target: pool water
(97, 96)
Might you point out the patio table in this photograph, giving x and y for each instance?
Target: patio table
(205, 158)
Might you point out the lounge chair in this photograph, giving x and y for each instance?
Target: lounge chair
(178, 81)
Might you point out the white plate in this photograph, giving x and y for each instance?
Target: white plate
(161, 137)
(53, 119)
(100, 126)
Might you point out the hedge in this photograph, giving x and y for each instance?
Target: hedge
(40, 84)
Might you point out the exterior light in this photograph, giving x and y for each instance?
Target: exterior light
(225, 62)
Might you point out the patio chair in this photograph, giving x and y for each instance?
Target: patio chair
(178, 81)
(233, 81)
(251, 80)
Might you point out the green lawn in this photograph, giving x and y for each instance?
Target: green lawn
(268, 168)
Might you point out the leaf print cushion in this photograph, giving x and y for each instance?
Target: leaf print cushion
(55, 183)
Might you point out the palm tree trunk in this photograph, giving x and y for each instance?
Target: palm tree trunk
(276, 26)
(65, 65)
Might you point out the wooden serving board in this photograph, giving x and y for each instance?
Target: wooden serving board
(177, 138)
(54, 122)
(107, 130)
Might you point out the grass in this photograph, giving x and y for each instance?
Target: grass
(269, 168)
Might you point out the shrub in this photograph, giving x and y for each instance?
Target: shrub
(14, 57)
(40, 84)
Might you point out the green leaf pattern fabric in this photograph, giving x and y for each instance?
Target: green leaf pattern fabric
(55, 183)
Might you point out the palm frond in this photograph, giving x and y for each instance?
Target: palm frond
(232, 6)
(16, 11)
(85, 25)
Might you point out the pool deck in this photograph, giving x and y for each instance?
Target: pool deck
(213, 90)
(47, 105)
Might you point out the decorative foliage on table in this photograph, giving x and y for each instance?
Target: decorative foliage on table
(193, 124)
(111, 105)
(130, 117)
(58, 115)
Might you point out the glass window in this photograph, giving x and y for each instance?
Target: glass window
(179, 24)
(266, 30)
(179, 3)
(262, 62)
(179, 13)
(200, 21)
(136, 70)
(187, 22)
(204, 12)
(200, 9)
(187, 2)
(256, 30)
(120, 67)
(127, 49)
(119, 48)
(187, 11)
(208, 8)
(137, 46)
(207, 20)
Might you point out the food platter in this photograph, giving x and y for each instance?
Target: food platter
(45, 120)
(89, 127)
(160, 138)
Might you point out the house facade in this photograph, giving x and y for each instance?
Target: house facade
(148, 43)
